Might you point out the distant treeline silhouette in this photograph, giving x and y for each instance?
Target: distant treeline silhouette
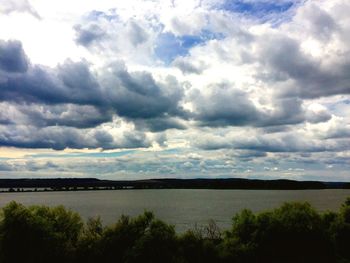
(294, 232)
(79, 184)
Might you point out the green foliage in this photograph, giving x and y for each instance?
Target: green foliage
(340, 231)
(291, 233)
(87, 247)
(200, 244)
(38, 233)
(142, 239)
(294, 232)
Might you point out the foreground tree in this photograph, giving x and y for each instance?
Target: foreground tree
(142, 239)
(339, 229)
(38, 234)
(291, 233)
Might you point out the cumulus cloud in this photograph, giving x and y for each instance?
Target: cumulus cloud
(270, 143)
(139, 96)
(42, 84)
(43, 115)
(136, 33)
(132, 95)
(63, 101)
(59, 138)
(224, 105)
(302, 75)
(10, 6)
(85, 36)
(159, 124)
(12, 57)
(110, 34)
(188, 67)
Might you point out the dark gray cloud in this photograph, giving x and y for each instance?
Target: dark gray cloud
(318, 22)
(61, 107)
(87, 35)
(342, 130)
(283, 143)
(286, 112)
(139, 96)
(136, 33)
(12, 57)
(283, 55)
(59, 138)
(70, 83)
(275, 129)
(289, 142)
(79, 116)
(43, 115)
(188, 67)
(81, 85)
(225, 106)
(316, 117)
(310, 78)
(132, 95)
(159, 124)
(247, 155)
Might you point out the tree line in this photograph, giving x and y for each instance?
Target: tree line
(294, 232)
(74, 184)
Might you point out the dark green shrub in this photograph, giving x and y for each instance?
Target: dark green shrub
(38, 234)
(239, 244)
(291, 233)
(199, 246)
(142, 239)
(88, 246)
(340, 231)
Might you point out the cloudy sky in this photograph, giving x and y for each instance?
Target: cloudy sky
(175, 88)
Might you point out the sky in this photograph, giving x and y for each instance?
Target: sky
(139, 89)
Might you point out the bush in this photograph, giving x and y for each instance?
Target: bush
(291, 233)
(200, 244)
(340, 232)
(142, 239)
(38, 234)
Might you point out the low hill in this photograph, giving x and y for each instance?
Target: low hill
(229, 183)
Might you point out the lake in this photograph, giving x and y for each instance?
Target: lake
(182, 207)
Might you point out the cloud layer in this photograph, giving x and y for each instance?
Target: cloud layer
(251, 87)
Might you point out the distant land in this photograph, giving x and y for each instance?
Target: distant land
(80, 184)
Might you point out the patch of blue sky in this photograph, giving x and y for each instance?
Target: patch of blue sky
(169, 46)
(257, 8)
(264, 11)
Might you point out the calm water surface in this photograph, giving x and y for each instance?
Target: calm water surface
(183, 208)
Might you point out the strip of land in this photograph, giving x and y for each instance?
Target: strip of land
(80, 184)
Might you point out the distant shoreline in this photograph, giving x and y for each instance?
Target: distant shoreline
(93, 184)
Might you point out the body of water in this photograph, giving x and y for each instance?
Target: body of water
(182, 207)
